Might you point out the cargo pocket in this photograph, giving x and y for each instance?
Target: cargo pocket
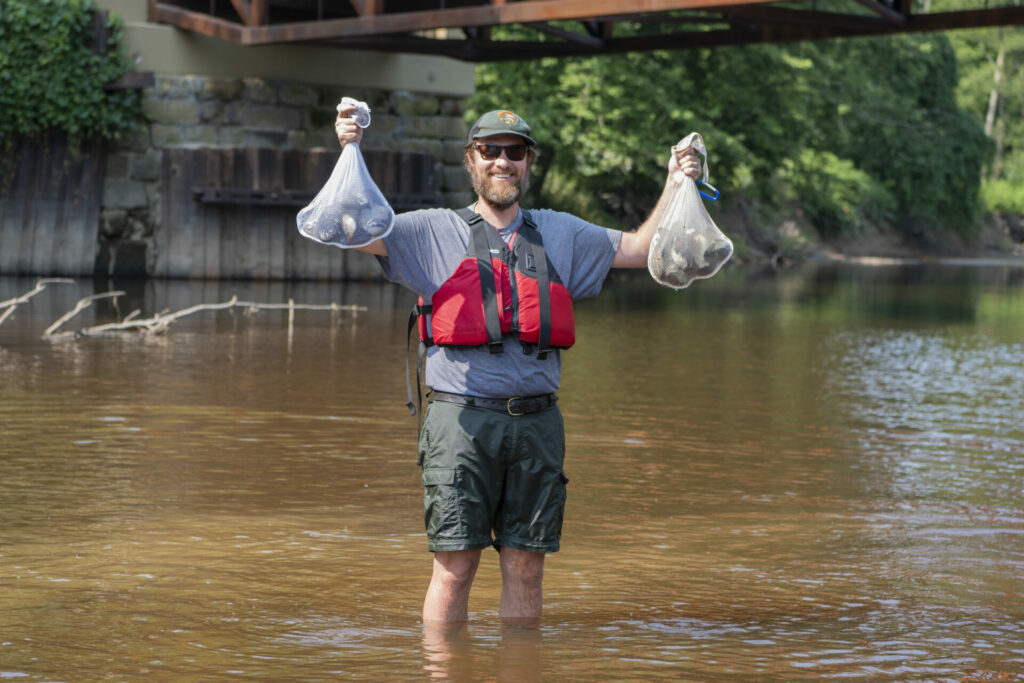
(441, 504)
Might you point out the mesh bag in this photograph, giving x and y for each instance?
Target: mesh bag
(687, 244)
(349, 211)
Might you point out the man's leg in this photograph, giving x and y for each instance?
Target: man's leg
(448, 595)
(522, 574)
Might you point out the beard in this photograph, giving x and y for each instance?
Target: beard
(499, 195)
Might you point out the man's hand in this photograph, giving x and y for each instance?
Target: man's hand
(633, 246)
(684, 162)
(345, 126)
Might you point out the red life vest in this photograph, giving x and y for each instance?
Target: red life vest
(499, 289)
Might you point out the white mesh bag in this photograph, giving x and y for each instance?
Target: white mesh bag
(687, 244)
(349, 211)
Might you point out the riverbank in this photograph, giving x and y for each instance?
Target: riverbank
(792, 239)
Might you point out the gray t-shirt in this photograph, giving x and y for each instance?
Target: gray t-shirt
(424, 249)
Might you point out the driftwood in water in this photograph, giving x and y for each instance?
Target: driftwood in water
(11, 304)
(158, 324)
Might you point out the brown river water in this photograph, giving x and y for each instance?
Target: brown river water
(810, 475)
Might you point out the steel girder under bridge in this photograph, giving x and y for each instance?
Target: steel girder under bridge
(562, 28)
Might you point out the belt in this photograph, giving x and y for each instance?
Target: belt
(517, 405)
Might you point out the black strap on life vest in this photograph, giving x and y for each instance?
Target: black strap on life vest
(537, 260)
(483, 244)
(421, 350)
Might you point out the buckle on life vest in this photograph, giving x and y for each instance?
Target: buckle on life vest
(508, 406)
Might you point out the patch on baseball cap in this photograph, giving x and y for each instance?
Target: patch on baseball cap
(500, 122)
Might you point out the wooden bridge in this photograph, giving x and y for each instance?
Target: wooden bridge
(463, 29)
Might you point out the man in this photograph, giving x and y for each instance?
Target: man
(493, 460)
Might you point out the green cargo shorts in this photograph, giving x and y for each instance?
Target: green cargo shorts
(486, 472)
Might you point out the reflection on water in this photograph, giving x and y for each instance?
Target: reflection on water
(803, 476)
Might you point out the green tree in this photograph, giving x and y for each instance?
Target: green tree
(850, 130)
(992, 88)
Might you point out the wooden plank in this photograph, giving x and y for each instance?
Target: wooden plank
(402, 22)
(485, 15)
(168, 215)
(77, 224)
(43, 214)
(257, 242)
(92, 206)
(14, 203)
(684, 40)
(75, 236)
(193, 249)
(56, 203)
(208, 233)
(943, 21)
(782, 15)
(59, 257)
(354, 32)
(311, 260)
(179, 225)
(164, 13)
(294, 256)
(271, 221)
(52, 243)
(257, 266)
(241, 255)
(32, 187)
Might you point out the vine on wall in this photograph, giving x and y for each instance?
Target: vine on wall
(53, 69)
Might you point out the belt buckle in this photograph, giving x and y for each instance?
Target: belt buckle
(508, 406)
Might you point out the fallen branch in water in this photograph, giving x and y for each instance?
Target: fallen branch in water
(159, 323)
(12, 304)
(80, 306)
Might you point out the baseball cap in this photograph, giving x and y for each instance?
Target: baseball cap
(500, 122)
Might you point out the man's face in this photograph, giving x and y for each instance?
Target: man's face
(499, 182)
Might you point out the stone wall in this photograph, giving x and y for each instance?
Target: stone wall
(197, 111)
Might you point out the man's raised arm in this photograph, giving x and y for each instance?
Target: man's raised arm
(634, 246)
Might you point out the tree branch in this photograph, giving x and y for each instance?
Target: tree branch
(159, 323)
(80, 306)
(11, 304)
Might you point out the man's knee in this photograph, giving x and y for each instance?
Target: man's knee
(523, 566)
(456, 567)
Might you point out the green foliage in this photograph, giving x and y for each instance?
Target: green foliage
(834, 194)
(52, 75)
(852, 129)
(992, 88)
(1003, 195)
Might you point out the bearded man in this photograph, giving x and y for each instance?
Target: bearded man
(497, 284)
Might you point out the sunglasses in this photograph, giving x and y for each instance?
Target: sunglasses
(492, 152)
